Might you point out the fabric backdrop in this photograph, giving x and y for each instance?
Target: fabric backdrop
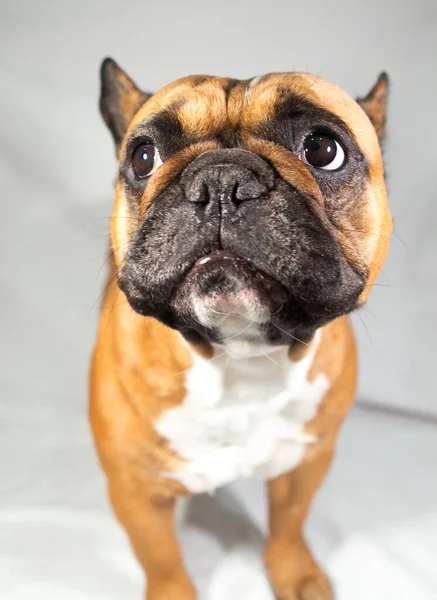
(54, 145)
(374, 523)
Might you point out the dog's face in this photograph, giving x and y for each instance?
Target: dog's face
(254, 209)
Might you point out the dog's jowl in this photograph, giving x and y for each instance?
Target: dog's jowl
(250, 219)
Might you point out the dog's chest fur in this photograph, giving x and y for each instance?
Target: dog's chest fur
(242, 417)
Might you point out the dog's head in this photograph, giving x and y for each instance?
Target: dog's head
(254, 209)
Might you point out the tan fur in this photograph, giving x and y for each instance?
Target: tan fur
(204, 109)
(139, 365)
(363, 236)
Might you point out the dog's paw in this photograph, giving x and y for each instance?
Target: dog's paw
(315, 588)
(295, 575)
(311, 588)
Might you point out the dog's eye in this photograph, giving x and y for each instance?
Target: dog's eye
(146, 160)
(322, 152)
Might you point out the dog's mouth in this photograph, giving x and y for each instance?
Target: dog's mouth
(222, 286)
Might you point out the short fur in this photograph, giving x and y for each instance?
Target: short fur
(234, 252)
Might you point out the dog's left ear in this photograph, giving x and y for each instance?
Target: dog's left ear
(375, 104)
(120, 99)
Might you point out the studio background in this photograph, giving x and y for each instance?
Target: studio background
(377, 510)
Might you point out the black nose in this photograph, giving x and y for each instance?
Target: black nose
(227, 177)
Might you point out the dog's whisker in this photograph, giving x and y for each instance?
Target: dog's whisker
(273, 361)
(216, 312)
(368, 233)
(366, 330)
(293, 337)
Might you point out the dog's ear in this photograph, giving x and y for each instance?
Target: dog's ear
(375, 104)
(120, 99)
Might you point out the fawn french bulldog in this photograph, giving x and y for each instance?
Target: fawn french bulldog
(250, 218)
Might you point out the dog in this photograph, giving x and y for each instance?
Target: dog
(250, 219)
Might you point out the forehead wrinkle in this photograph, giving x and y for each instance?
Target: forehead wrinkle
(269, 83)
(262, 100)
(259, 105)
(235, 107)
(168, 95)
(204, 110)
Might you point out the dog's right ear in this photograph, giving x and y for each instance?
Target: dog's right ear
(120, 99)
(375, 104)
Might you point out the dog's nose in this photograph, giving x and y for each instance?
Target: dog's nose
(227, 178)
(225, 184)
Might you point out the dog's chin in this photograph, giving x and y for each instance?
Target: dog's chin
(226, 295)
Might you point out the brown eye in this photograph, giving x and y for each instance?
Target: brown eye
(146, 160)
(322, 152)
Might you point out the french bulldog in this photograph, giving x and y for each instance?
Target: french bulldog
(250, 219)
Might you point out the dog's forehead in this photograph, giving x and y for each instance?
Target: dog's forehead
(204, 104)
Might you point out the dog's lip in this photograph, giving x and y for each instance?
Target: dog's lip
(215, 256)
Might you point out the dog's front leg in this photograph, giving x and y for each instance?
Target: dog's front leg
(293, 571)
(149, 522)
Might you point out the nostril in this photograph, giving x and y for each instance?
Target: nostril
(250, 190)
(234, 194)
(199, 193)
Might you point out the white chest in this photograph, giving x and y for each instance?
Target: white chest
(242, 418)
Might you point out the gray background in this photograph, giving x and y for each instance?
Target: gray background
(54, 145)
(57, 169)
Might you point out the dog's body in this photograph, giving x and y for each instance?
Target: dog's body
(229, 355)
